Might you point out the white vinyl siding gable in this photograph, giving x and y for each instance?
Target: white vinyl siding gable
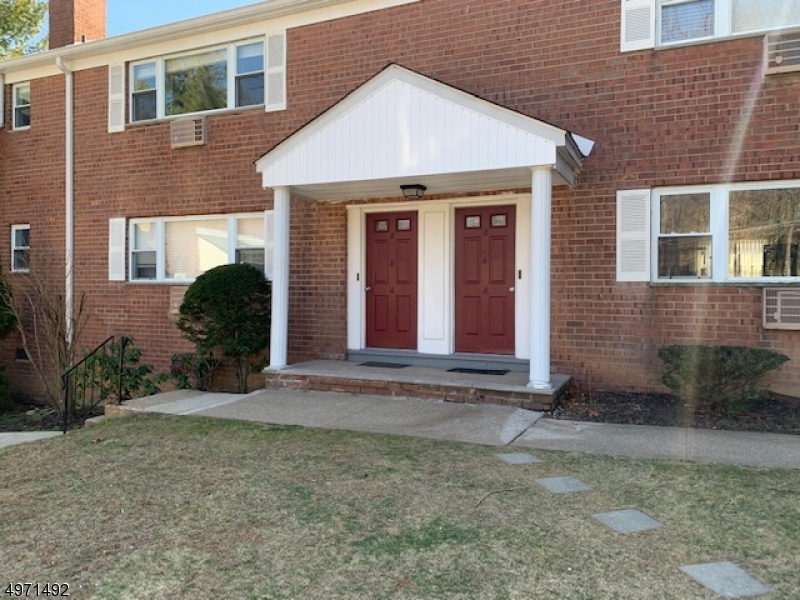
(633, 235)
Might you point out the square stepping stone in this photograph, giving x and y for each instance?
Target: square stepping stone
(563, 485)
(518, 458)
(726, 579)
(627, 521)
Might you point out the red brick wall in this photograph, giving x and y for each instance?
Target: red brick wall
(73, 21)
(691, 115)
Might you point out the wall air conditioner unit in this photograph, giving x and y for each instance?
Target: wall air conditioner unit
(781, 308)
(188, 132)
(782, 52)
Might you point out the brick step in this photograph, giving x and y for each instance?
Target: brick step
(435, 384)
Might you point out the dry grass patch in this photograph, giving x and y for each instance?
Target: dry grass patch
(168, 507)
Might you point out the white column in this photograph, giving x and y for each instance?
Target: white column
(279, 332)
(541, 200)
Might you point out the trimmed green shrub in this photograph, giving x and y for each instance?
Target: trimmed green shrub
(227, 310)
(99, 378)
(718, 377)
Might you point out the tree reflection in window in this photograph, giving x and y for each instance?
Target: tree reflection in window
(196, 83)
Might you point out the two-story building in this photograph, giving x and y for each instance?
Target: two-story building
(566, 185)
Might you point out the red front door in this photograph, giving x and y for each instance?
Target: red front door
(484, 263)
(391, 281)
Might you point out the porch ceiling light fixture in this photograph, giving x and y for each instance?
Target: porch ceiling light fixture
(413, 191)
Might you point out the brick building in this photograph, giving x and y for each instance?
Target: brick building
(600, 177)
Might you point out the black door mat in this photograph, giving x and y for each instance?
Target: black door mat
(385, 365)
(478, 371)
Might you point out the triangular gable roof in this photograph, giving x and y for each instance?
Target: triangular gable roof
(403, 126)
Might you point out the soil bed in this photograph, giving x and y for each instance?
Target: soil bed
(29, 418)
(775, 414)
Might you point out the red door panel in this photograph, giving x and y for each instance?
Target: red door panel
(484, 262)
(391, 280)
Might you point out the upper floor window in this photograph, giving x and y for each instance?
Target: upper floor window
(20, 248)
(178, 249)
(218, 78)
(22, 105)
(649, 23)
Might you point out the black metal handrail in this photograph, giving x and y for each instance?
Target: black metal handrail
(90, 376)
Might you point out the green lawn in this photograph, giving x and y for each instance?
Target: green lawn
(188, 507)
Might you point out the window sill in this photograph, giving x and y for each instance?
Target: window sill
(722, 38)
(209, 113)
(167, 282)
(728, 283)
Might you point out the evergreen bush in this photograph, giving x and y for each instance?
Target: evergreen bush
(227, 310)
(718, 377)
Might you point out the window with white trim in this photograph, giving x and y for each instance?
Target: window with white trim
(20, 248)
(178, 249)
(222, 77)
(747, 232)
(22, 105)
(651, 23)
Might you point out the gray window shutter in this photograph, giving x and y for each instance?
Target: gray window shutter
(116, 249)
(116, 98)
(633, 235)
(638, 25)
(275, 75)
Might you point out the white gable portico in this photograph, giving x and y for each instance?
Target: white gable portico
(400, 128)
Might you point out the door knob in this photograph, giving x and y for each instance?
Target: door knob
(512, 289)
(368, 288)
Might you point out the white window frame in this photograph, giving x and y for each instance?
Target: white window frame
(15, 248)
(719, 199)
(160, 225)
(723, 23)
(641, 23)
(16, 106)
(232, 77)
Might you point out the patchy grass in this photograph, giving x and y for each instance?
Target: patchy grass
(171, 507)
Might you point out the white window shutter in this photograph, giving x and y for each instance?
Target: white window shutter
(633, 235)
(638, 25)
(275, 72)
(116, 98)
(116, 249)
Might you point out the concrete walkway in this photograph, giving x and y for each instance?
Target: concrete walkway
(481, 424)
(14, 438)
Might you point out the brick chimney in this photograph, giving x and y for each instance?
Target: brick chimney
(75, 21)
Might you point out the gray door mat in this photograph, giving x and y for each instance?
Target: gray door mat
(470, 371)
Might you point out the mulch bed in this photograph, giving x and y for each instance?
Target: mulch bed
(775, 414)
(26, 418)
